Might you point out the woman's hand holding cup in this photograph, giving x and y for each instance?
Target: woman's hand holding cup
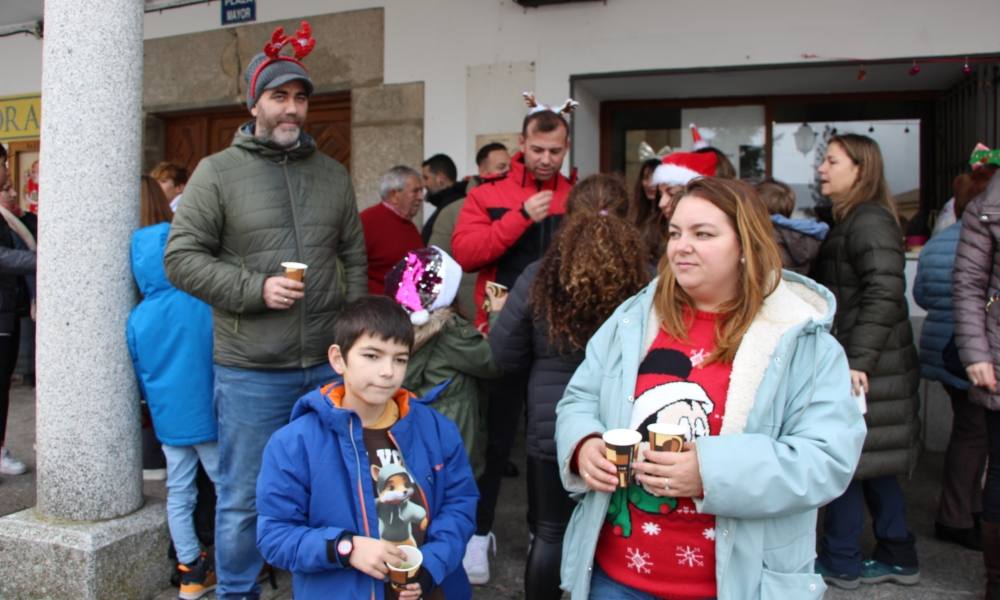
(597, 471)
(671, 474)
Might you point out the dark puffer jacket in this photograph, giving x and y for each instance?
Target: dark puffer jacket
(975, 279)
(14, 264)
(519, 341)
(862, 262)
(247, 209)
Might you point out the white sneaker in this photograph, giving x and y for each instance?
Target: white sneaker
(10, 465)
(476, 561)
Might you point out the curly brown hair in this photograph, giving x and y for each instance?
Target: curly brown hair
(597, 261)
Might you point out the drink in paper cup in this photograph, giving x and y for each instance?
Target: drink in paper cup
(498, 289)
(295, 270)
(666, 437)
(405, 572)
(621, 447)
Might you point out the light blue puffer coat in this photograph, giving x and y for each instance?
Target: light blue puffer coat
(790, 440)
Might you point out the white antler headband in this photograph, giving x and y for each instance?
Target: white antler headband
(534, 106)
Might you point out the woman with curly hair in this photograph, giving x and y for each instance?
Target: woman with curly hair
(597, 260)
(644, 212)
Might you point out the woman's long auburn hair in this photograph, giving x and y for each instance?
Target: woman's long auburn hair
(153, 207)
(759, 274)
(646, 215)
(871, 185)
(596, 262)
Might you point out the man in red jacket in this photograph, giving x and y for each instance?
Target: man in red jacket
(388, 226)
(506, 223)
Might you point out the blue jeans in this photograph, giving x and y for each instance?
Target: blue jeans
(182, 493)
(250, 405)
(603, 587)
(840, 547)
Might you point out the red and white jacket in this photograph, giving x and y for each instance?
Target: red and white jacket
(494, 237)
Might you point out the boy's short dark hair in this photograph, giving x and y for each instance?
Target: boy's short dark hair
(378, 316)
(543, 121)
(778, 197)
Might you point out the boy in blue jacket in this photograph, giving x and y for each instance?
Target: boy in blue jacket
(362, 468)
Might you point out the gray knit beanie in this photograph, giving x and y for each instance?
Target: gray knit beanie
(279, 72)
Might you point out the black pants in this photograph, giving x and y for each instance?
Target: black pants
(991, 495)
(964, 461)
(9, 345)
(549, 510)
(506, 405)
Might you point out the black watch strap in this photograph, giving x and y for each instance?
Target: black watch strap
(334, 553)
(525, 213)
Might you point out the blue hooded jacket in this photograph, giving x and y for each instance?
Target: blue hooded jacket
(315, 483)
(170, 340)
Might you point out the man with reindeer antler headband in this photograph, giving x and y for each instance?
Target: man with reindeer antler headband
(507, 223)
(269, 198)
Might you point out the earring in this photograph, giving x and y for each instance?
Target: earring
(743, 260)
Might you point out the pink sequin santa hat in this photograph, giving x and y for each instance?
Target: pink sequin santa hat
(680, 168)
(424, 281)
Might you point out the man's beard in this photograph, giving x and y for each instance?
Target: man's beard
(283, 137)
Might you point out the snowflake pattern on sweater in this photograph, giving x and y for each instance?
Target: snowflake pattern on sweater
(658, 545)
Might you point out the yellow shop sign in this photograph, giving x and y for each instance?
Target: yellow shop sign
(20, 118)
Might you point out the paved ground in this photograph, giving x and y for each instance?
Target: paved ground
(949, 572)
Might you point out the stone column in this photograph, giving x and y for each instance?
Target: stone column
(90, 536)
(88, 443)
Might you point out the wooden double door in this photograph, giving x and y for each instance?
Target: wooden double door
(193, 135)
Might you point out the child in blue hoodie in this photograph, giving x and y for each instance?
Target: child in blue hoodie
(364, 468)
(170, 340)
(798, 239)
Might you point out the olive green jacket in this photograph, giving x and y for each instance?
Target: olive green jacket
(246, 210)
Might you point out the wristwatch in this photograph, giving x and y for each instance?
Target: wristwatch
(343, 546)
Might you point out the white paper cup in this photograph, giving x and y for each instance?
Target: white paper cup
(621, 448)
(406, 572)
(667, 437)
(295, 270)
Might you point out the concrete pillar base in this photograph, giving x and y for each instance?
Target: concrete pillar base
(122, 558)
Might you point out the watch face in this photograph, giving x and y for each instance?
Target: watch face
(344, 547)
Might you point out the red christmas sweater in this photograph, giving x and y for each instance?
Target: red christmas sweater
(388, 237)
(664, 546)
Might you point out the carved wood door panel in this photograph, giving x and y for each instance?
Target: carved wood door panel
(193, 135)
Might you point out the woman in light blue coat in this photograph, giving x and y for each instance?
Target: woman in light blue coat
(774, 432)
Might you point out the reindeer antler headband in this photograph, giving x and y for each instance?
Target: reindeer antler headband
(302, 44)
(534, 106)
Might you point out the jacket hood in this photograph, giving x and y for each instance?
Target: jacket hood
(326, 401)
(245, 139)
(815, 229)
(148, 245)
(519, 173)
(442, 198)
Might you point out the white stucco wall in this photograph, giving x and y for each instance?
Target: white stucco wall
(435, 41)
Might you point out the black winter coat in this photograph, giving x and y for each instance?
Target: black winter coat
(862, 263)
(14, 264)
(519, 341)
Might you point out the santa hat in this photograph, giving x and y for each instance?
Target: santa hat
(680, 168)
(424, 281)
(696, 137)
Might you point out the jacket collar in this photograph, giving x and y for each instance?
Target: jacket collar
(523, 177)
(245, 139)
(797, 302)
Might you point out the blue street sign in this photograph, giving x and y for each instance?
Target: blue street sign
(238, 11)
